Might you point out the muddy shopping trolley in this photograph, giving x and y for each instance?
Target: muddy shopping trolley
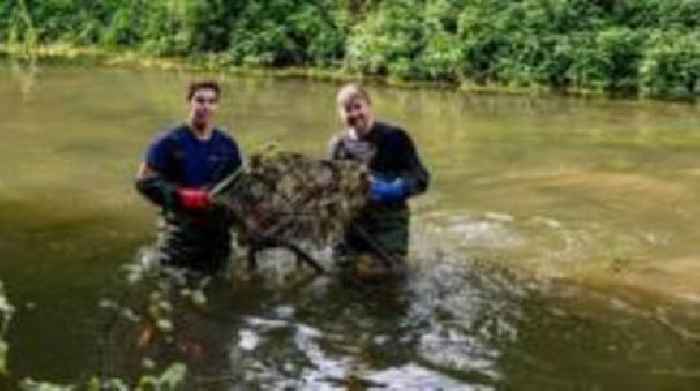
(285, 199)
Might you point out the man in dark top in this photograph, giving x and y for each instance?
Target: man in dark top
(396, 173)
(180, 167)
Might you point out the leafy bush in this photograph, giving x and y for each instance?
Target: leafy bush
(388, 39)
(671, 64)
(653, 14)
(286, 32)
(605, 45)
(442, 52)
(609, 59)
(125, 27)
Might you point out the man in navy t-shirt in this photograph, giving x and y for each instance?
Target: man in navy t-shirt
(180, 167)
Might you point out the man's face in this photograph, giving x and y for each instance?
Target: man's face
(357, 114)
(203, 105)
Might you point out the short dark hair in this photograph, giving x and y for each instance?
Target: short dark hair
(201, 85)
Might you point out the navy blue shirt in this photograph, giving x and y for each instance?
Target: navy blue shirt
(183, 159)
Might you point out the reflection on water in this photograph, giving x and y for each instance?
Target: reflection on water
(453, 325)
(530, 196)
(25, 71)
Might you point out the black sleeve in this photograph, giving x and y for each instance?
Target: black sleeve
(158, 190)
(158, 186)
(413, 170)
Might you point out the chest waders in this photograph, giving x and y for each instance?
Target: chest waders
(377, 241)
(197, 242)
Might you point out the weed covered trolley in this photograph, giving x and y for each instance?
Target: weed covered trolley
(285, 199)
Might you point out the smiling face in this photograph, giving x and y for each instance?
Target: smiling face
(355, 110)
(203, 105)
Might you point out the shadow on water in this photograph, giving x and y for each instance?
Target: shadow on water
(454, 324)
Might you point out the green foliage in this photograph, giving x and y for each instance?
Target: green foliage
(642, 46)
(287, 32)
(442, 52)
(523, 43)
(167, 30)
(662, 14)
(609, 59)
(262, 36)
(388, 39)
(171, 379)
(671, 65)
(19, 26)
(124, 27)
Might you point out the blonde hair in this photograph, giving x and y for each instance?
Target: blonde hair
(350, 92)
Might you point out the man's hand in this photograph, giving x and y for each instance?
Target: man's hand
(385, 191)
(193, 199)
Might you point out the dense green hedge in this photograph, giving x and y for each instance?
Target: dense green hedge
(640, 46)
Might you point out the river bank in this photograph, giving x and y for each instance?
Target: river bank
(220, 64)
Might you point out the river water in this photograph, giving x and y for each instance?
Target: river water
(556, 248)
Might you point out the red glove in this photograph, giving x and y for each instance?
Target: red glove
(192, 198)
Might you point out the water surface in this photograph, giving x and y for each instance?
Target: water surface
(556, 248)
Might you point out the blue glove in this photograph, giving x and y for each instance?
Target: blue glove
(385, 191)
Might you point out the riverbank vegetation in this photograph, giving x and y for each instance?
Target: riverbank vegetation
(639, 47)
